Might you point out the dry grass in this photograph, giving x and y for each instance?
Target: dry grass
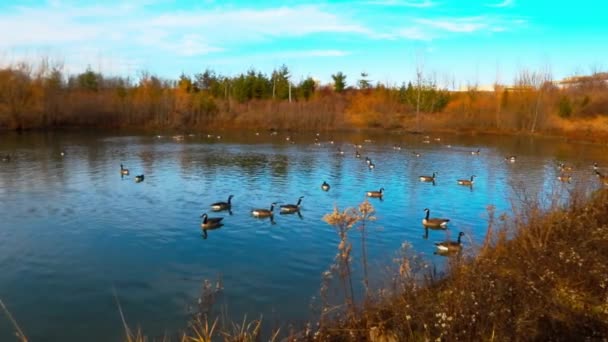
(547, 281)
(18, 332)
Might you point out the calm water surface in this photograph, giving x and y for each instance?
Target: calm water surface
(72, 229)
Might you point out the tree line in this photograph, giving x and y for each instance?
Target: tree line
(44, 96)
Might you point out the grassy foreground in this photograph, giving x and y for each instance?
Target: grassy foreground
(541, 275)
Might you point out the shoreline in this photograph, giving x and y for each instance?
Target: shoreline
(594, 137)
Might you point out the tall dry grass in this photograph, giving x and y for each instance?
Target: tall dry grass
(541, 275)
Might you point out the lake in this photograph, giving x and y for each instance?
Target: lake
(74, 232)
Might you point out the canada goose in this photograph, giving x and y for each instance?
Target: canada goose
(466, 181)
(62, 153)
(511, 159)
(595, 167)
(123, 171)
(564, 178)
(371, 165)
(475, 153)
(367, 160)
(263, 212)
(210, 222)
(378, 193)
(292, 208)
(416, 154)
(428, 178)
(139, 178)
(325, 186)
(564, 168)
(450, 245)
(357, 154)
(219, 206)
(6, 158)
(340, 152)
(397, 148)
(603, 179)
(434, 222)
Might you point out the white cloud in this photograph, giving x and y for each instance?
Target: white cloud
(400, 3)
(282, 21)
(461, 25)
(415, 33)
(505, 3)
(197, 32)
(312, 53)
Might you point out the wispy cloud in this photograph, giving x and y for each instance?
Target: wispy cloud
(401, 3)
(197, 32)
(314, 53)
(282, 21)
(505, 3)
(415, 33)
(461, 25)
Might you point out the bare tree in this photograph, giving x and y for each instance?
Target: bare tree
(535, 82)
(419, 79)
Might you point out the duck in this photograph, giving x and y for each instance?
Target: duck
(123, 171)
(139, 178)
(325, 186)
(511, 159)
(466, 182)
(428, 178)
(434, 222)
(210, 222)
(264, 212)
(378, 193)
(564, 178)
(449, 246)
(475, 153)
(292, 208)
(219, 206)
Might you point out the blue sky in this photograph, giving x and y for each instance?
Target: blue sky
(454, 42)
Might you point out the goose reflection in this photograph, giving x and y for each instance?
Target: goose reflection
(218, 226)
(291, 213)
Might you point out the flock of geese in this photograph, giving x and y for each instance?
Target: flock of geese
(428, 222)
